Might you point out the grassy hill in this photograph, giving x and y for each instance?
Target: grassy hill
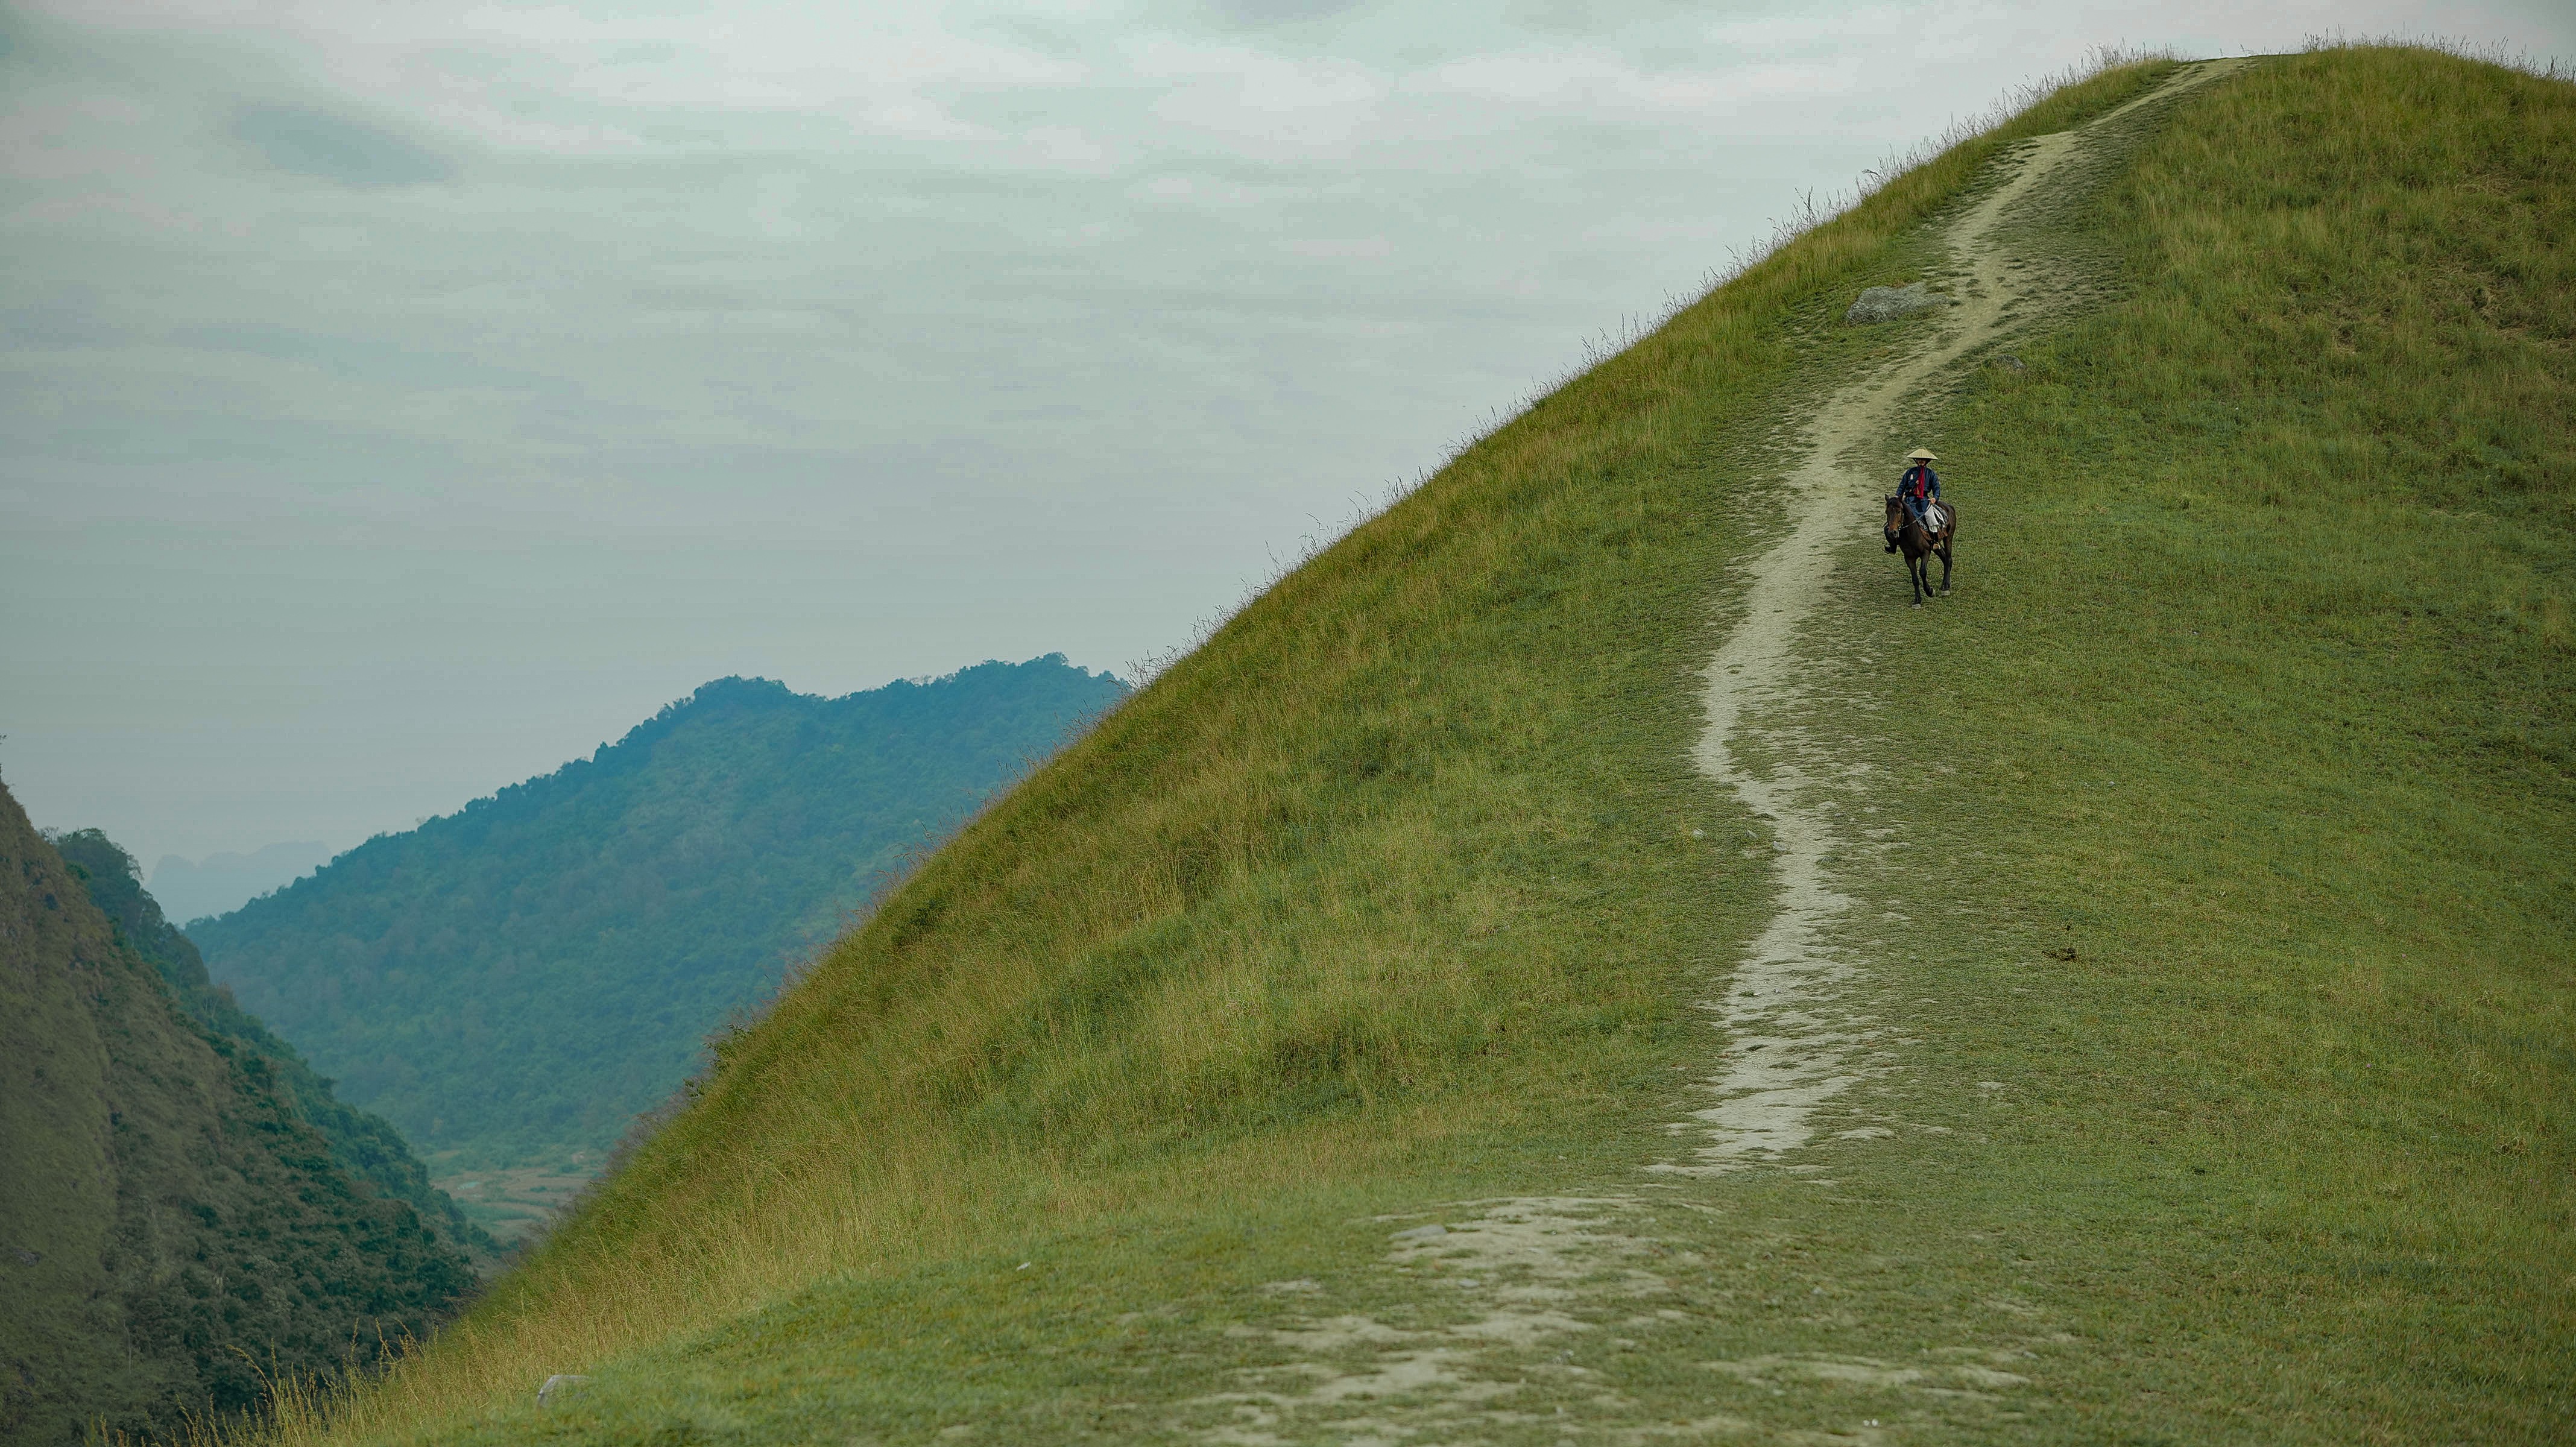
(172, 1232)
(2180, 1027)
(514, 983)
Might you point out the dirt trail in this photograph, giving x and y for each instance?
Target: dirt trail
(1519, 1279)
(1518, 1268)
(1793, 1041)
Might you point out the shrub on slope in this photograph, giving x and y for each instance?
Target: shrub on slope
(526, 975)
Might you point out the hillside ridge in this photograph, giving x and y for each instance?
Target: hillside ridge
(1534, 1269)
(175, 1235)
(366, 1146)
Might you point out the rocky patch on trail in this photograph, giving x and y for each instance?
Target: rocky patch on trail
(1887, 303)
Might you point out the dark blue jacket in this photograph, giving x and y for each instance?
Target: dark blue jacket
(1920, 481)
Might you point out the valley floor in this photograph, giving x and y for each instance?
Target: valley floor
(515, 1202)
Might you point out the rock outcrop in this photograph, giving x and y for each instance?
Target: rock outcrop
(1887, 303)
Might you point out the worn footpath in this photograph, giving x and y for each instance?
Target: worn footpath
(1469, 1334)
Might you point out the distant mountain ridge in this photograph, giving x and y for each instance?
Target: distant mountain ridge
(525, 976)
(190, 889)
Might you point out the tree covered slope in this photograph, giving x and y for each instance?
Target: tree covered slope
(522, 978)
(366, 1145)
(1328, 1047)
(172, 1232)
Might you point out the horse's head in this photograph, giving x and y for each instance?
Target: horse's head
(1895, 512)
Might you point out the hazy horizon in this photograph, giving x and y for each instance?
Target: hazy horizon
(405, 402)
(189, 889)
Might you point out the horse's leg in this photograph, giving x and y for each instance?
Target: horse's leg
(1917, 574)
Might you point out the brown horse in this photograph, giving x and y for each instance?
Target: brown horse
(1911, 538)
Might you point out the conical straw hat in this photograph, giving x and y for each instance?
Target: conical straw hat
(1921, 454)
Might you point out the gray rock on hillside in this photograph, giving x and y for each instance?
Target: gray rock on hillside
(1887, 303)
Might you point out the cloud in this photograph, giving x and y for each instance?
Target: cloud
(1366, 246)
(327, 147)
(1262, 104)
(339, 330)
(1065, 146)
(65, 210)
(1258, 13)
(1595, 84)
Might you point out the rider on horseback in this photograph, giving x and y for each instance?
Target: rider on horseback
(1918, 490)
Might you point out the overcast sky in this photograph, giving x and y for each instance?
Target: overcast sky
(399, 399)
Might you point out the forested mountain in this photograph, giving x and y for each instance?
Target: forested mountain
(366, 1145)
(170, 1227)
(525, 976)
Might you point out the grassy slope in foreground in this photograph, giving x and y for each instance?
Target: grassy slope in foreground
(1399, 891)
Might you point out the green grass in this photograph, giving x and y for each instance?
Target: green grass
(2260, 704)
(1390, 896)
